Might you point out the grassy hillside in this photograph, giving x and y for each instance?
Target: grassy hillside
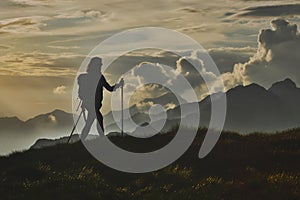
(257, 166)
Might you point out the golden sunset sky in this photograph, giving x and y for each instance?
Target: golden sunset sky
(43, 42)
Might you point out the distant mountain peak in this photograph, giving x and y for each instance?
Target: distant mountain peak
(57, 111)
(286, 83)
(251, 88)
(289, 82)
(11, 118)
(254, 85)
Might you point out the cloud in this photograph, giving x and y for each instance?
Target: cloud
(82, 14)
(270, 10)
(39, 64)
(32, 2)
(144, 106)
(5, 47)
(170, 77)
(52, 118)
(63, 47)
(197, 28)
(277, 57)
(170, 106)
(60, 90)
(226, 57)
(21, 25)
(139, 75)
(185, 66)
(126, 62)
(153, 71)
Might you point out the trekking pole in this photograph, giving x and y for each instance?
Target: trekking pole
(75, 126)
(122, 120)
(79, 105)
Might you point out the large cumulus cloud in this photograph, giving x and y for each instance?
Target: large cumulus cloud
(189, 69)
(277, 57)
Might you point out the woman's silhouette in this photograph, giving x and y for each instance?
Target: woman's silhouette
(90, 92)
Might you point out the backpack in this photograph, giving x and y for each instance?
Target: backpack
(85, 89)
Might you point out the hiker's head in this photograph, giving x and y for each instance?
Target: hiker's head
(94, 65)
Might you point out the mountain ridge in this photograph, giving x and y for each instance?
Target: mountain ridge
(281, 99)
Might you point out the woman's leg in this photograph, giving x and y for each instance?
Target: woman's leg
(100, 126)
(88, 124)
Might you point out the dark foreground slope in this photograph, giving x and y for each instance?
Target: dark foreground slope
(257, 166)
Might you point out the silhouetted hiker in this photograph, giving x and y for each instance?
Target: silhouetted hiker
(91, 93)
